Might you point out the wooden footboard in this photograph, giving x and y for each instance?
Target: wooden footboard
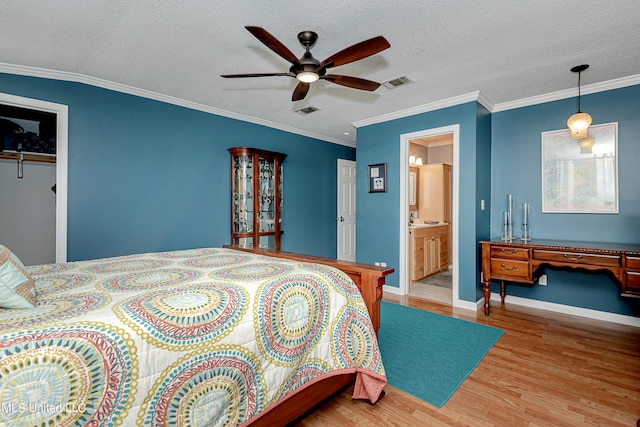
(295, 406)
(368, 278)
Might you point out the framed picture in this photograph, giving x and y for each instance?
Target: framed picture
(378, 178)
(580, 175)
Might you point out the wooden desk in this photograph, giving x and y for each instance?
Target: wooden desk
(516, 261)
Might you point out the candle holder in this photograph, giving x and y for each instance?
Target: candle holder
(510, 210)
(506, 220)
(525, 234)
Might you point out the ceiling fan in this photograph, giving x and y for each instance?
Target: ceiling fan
(308, 69)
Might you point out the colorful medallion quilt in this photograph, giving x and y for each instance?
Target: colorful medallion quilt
(202, 337)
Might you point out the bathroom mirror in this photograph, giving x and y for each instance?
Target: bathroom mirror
(413, 203)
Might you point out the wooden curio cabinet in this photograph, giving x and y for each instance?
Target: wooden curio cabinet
(256, 197)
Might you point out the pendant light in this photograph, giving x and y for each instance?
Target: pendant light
(579, 122)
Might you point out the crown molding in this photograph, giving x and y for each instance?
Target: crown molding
(130, 90)
(568, 93)
(503, 106)
(425, 108)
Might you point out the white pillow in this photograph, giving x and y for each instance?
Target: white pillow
(17, 289)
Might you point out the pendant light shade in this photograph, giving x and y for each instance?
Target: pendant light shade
(579, 125)
(579, 122)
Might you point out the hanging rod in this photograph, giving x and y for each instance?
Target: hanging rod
(42, 158)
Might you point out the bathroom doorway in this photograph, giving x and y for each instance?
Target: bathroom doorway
(430, 220)
(429, 212)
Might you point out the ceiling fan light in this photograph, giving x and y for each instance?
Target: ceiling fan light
(307, 76)
(579, 125)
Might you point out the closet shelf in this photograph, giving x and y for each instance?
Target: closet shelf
(29, 157)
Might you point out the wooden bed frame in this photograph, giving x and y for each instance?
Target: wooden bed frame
(369, 280)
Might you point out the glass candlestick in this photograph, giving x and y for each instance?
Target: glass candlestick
(511, 234)
(505, 227)
(525, 234)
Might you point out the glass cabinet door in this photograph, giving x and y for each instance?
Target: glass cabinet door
(242, 191)
(256, 197)
(267, 194)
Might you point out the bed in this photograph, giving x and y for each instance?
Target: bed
(210, 336)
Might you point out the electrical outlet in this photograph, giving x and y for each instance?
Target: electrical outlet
(377, 264)
(542, 281)
(481, 277)
(383, 264)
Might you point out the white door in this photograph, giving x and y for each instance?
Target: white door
(346, 210)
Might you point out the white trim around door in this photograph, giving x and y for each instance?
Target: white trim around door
(346, 210)
(62, 143)
(404, 209)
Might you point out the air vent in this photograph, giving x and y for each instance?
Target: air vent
(400, 81)
(306, 110)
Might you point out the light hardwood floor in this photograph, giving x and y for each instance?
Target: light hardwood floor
(547, 369)
(432, 293)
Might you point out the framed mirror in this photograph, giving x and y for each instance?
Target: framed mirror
(580, 175)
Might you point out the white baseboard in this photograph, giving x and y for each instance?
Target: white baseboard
(391, 290)
(467, 305)
(542, 305)
(566, 309)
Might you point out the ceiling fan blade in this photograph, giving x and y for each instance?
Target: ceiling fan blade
(353, 82)
(300, 91)
(356, 52)
(234, 76)
(273, 43)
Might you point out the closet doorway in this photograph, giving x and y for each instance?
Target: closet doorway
(429, 212)
(25, 198)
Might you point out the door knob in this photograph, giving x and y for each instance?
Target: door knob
(341, 219)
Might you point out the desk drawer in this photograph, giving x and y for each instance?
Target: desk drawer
(510, 268)
(633, 262)
(578, 258)
(509, 252)
(631, 282)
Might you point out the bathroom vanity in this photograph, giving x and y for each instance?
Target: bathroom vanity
(428, 249)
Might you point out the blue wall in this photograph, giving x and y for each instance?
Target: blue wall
(149, 176)
(516, 169)
(483, 184)
(146, 175)
(378, 215)
(500, 154)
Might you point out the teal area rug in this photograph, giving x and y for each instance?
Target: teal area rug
(429, 355)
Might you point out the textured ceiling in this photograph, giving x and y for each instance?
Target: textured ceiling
(507, 50)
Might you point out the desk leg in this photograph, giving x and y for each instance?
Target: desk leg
(486, 290)
(503, 291)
